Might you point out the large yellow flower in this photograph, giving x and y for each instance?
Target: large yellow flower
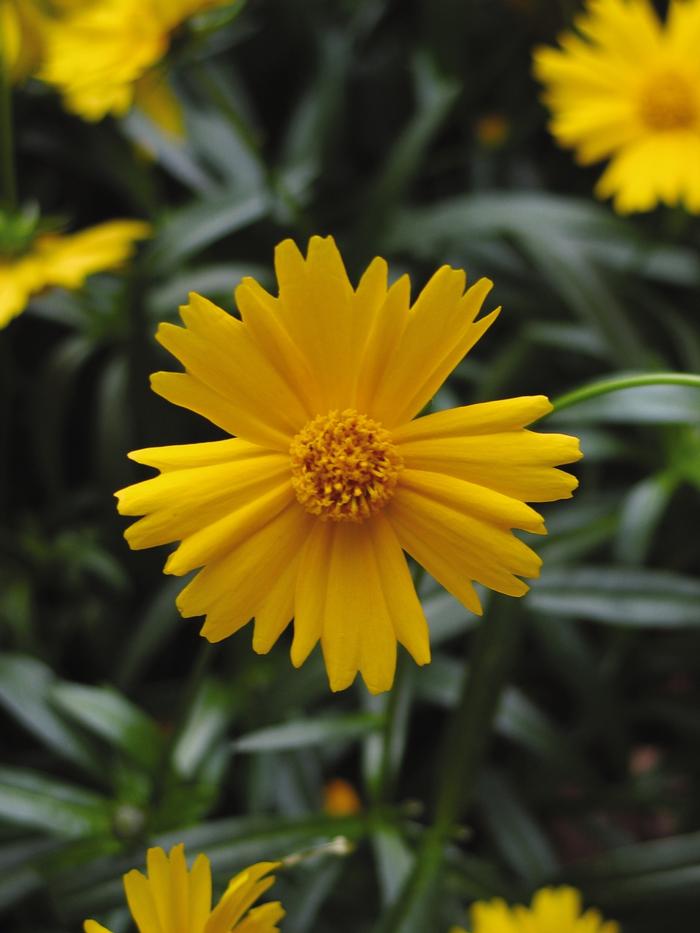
(103, 57)
(553, 910)
(174, 900)
(305, 513)
(627, 88)
(64, 260)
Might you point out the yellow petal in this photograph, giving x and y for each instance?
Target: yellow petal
(275, 612)
(383, 338)
(472, 499)
(91, 926)
(184, 390)
(67, 260)
(482, 418)
(200, 894)
(154, 96)
(263, 919)
(310, 596)
(452, 545)
(398, 590)
(519, 464)
(141, 903)
(241, 893)
(160, 880)
(439, 332)
(316, 300)
(231, 589)
(219, 351)
(181, 503)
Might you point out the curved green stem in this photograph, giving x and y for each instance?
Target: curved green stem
(8, 183)
(606, 386)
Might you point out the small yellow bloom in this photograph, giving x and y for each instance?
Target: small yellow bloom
(492, 130)
(308, 510)
(553, 910)
(174, 900)
(340, 798)
(627, 88)
(64, 260)
(101, 58)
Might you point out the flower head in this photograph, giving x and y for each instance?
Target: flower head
(553, 910)
(103, 57)
(626, 87)
(308, 510)
(173, 899)
(65, 260)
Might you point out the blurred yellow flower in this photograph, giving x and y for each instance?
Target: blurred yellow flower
(65, 260)
(553, 910)
(22, 28)
(492, 130)
(340, 798)
(306, 512)
(174, 900)
(627, 88)
(103, 58)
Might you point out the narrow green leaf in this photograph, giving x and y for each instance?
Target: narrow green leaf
(628, 597)
(106, 713)
(305, 732)
(40, 802)
(25, 686)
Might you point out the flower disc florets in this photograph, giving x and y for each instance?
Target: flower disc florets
(345, 466)
(668, 103)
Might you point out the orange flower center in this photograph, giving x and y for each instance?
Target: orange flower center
(345, 466)
(668, 103)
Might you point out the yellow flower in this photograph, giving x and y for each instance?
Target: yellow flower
(64, 260)
(553, 910)
(305, 513)
(174, 900)
(102, 57)
(627, 88)
(340, 798)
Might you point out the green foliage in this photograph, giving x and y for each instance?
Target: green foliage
(577, 760)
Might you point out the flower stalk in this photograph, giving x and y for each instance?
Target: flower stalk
(606, 386)
(464, 748)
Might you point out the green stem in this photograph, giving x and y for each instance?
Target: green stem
(459, 765)
(605, 386)
(8, 180)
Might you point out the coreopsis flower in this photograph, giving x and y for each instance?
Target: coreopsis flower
(104, 58)
(553, 910)
(173, 899)
(626, 87)
(307, 511)
(47, 260)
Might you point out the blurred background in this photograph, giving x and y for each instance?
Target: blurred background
(409, 129)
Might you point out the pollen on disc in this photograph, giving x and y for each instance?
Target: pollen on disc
(345, 466)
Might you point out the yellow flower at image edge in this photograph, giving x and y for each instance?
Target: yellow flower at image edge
(553, 910)
(307, 511)
(65, 260)
(627, 88)
(102, 58)
(173, 899)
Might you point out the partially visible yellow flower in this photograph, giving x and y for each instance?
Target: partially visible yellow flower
(65, 260)
(553, 910)
(627, 88)
(173, 899)
(102, 57)
(307, 511)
